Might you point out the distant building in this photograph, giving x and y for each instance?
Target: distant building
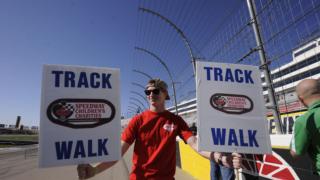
(305, 64)
(12, 126)
(34, 128)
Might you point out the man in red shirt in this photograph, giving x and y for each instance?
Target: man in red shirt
(154, 132)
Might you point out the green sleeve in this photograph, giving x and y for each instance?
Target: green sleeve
(300, 139)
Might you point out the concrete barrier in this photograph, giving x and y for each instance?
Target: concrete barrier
(23, 165)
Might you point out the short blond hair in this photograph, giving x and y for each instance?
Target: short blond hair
(159, 84)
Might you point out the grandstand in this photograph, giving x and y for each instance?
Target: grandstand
(305, 64)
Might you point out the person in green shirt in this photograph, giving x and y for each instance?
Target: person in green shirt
(306, 137)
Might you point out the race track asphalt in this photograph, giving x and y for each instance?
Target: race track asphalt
(22, 164)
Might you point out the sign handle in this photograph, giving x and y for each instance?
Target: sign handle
(237, 174)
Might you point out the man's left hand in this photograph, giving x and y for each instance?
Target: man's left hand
(232, 160)
(236, 160)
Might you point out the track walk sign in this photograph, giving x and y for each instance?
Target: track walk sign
(231, 112)
(80, 115)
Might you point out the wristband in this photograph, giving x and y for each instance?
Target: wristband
(96, 171)
(220, 161)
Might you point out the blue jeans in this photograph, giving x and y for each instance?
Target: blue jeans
(217, 171)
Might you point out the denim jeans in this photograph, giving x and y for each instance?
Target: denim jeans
(217, 171)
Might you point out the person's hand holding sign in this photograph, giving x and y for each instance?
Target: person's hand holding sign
(86, 171)
(226, 159)
(236, 160)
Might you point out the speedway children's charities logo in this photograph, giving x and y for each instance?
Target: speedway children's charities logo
(80, 115)
(230, 109)
(231, 103)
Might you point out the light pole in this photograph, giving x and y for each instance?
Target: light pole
(132, 112)
(168, 71)
(140, 95)
(138, 85)
(264, 65)
(139, 107)
(137, 100)
(143, 73)
(252, 11)
(179, 31)
(133, 108)
(130, 109)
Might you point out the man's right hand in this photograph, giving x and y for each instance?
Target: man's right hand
(228, 160)
(85, 171)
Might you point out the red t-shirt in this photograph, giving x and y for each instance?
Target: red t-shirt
(154, 155)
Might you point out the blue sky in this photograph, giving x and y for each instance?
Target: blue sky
(75, 32)
(103, 33)
(37, 32)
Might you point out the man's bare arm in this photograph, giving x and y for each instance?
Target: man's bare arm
(86, 171)
(106, 165)
(193, 143)
(228, 160)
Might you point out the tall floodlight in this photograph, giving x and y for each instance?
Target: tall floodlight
(140, 95)
(264, 64)
(143, 73)
(133, 103)
(168, 71)
(130, 109)
(133, 108)
(179, 31)
(132, 112)
(138, 85)
(137, 100)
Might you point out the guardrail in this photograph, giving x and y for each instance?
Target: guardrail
(16, 152)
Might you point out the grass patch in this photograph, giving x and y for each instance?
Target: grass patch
(6, 145)
(18, 137)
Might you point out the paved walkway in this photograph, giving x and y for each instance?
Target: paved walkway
(24, 166)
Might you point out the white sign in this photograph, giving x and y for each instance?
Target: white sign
(80, 115)
(231, 111)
